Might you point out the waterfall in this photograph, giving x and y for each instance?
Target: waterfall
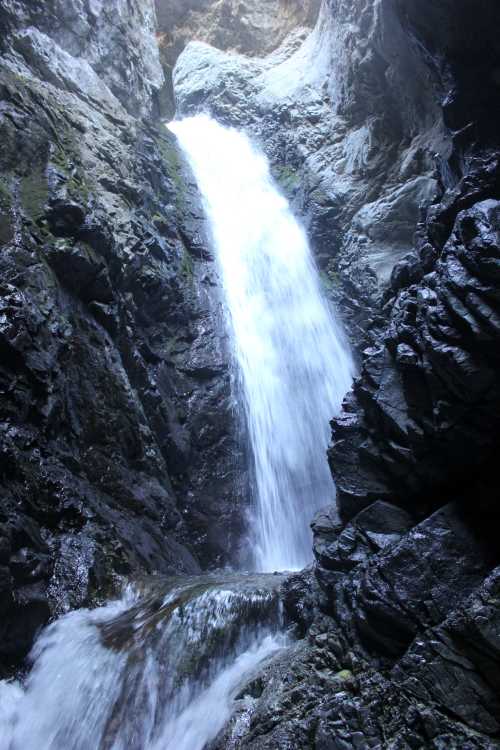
(161, 668)
(293, 362)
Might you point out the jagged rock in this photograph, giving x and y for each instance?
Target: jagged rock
(431, 390)
(118, 441)
(342, 548)
(455, 665)
(410, 584)
(430, 612)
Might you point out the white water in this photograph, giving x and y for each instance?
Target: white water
(294, 364)
(135, 675)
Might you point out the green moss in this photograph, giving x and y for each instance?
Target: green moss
(33, 194)
(287, 178)
(5, 194)
(63, 159)
(172, 157)
(330, 279)
(344, 674)
(6, 216)
(187, 267)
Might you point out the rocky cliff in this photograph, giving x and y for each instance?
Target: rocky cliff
(381, 130)
(252, 27)
(118, 447)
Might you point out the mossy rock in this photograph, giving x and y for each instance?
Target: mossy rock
(344, 674)
(174, 163)
(187, 264)
(287, 178)
(6, 214)
(33, 194)
(65, 164)
(330, 279)
(5, 194)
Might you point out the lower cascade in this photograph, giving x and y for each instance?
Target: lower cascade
(292, 359)
(157, 670)
(161, 668)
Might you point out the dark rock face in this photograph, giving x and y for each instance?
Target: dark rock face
(118, 445)
(421, 426)
(407, 657)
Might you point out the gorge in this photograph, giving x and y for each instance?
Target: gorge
(280, 310)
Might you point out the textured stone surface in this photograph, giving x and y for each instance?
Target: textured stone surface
(118, 451)
(380, 128)
(251, 27)
(409, 658)
(113, 39)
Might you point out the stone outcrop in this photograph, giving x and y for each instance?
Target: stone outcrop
(251, 27)
(400, 649)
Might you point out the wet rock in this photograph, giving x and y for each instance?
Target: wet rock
(300, 596)
(118, 440)
(455, 665)
(342, 548)
(65, 217)
(410, 584)
(248, 27)
(431, 388)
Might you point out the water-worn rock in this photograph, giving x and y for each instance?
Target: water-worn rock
(410, 585)
(408, 659)
(342, 548)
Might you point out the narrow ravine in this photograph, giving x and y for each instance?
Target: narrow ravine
(160, 669)
(293, 361)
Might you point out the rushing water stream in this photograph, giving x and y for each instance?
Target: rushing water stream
(161, 668)
(293, 361)
(158, 670)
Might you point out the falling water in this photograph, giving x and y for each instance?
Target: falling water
(294, 364)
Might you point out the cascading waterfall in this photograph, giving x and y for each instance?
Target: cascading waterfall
(158, 670)
(294, 363)
(161, 669)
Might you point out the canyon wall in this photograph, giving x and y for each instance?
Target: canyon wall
(381, 129)
(119, 447)
(252, 27)
(119, 453)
